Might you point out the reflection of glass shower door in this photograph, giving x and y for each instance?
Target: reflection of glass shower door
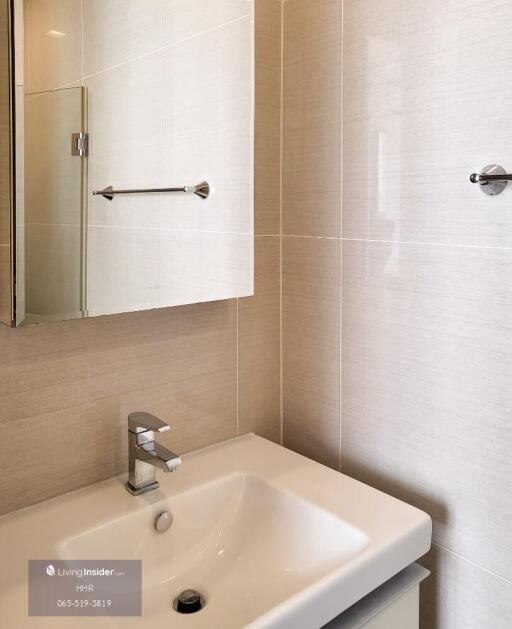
(54, 206)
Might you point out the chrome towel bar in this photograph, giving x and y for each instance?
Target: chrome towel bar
(492, 180)
(202, 190)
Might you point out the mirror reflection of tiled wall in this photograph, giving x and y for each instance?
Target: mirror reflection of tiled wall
(169, 91)
(5, 237)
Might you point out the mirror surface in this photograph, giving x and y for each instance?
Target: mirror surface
(131, 96)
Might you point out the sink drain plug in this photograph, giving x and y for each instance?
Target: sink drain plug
(189, 602)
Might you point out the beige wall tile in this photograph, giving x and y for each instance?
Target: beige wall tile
(118, 31)
(311, 347)
(259, 364)
(459, 595)
(268, 118)
(68, 387)
(312, 118)
(426, 395)
(182, 18)
(53, 32)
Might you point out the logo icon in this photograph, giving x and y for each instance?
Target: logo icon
(50, 570)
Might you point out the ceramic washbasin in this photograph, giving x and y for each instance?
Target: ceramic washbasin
(269, 537)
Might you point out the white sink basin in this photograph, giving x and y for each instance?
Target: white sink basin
(270, 538)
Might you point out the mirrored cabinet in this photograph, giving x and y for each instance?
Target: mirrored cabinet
(126, 156)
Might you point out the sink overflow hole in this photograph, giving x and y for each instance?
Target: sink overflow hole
(189, 602)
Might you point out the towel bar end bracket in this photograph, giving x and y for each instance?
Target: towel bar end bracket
(493, 179)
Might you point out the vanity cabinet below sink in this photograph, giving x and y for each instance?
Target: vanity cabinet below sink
(394, 605)
(270, 538)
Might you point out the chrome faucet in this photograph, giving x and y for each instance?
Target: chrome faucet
(145, 454)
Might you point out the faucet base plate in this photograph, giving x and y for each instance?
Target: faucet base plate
(142, 490)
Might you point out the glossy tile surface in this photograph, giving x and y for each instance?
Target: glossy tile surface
(267, 139)
(417, 123)
(205, 266)
(118, 31)
(119, 278)
(126, 97)
(426, 340)
(180, 364)
(311, 347)
(66, 390)
(259, 320)
(312, 118)
(426, 397)
(53, 52)
(207, 129)
(183, 19)
(459, 595)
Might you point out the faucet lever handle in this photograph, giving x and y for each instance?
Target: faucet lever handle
(142, 422)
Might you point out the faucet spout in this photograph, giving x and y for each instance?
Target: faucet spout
(155, 454)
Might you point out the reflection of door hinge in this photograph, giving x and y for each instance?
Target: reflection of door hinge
(80, 144)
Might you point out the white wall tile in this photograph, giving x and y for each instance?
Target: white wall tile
(418, 123)
(207, 95)
(123, 270)
(459, 595)
(182, 18)
(125, 142)
(205, 266)
(426, 390)
(54, 44)
(117, 31)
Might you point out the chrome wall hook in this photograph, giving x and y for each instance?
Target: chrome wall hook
(492, 180)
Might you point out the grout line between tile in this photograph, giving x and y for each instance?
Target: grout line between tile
(426, 244)
(164, 229)
(403, 242)
(162, 48)
(473, 563)
(312, 237)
